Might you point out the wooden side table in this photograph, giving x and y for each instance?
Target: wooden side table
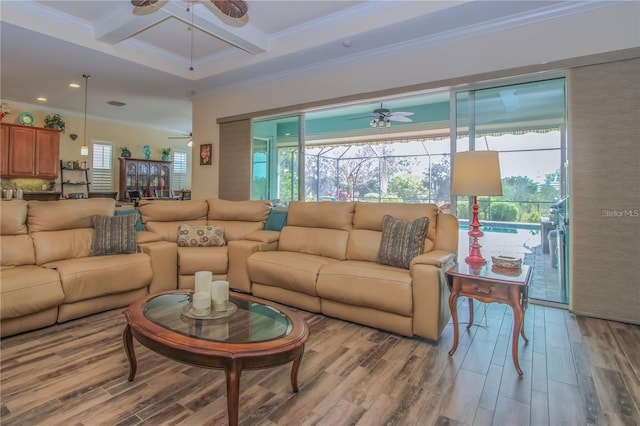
(490, 284)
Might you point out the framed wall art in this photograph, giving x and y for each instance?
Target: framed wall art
(205, 154)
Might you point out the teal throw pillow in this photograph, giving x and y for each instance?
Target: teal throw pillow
(276, 221)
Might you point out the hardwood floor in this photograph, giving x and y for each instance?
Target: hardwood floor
(577, 371)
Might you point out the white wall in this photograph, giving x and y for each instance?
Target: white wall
(597, 31)
(118, 133)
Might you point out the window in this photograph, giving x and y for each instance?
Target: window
(102, 176)
(181, 176)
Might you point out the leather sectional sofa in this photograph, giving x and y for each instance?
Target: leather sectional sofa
(243, 224)
(327, 261)
(323, 260)
(48, 274)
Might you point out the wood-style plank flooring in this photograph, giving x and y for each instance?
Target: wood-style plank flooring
(578, 371)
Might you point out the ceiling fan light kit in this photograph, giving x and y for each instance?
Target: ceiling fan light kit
(382, 117)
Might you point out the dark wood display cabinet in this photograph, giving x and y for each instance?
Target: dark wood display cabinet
(29, 152)
(151, 178)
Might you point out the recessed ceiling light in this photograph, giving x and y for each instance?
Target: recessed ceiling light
(74, 85)
(41, 99)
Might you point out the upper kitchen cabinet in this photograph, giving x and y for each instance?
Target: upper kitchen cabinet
(30, 152)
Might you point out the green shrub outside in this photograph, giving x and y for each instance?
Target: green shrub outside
(463, 210)
(504, 212)
(533, 217)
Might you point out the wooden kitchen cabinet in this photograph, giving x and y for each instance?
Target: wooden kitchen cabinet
(30, 151)
(4, 150)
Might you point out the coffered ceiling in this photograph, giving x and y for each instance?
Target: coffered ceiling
(155, 59)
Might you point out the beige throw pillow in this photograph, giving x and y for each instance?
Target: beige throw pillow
(200, 236)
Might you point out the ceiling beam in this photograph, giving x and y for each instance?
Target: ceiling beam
(123, 24)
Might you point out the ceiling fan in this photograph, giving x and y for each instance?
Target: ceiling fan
(231, 8)
(382, 117)
(185, 136)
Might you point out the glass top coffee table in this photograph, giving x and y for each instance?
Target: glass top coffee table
(254, 334)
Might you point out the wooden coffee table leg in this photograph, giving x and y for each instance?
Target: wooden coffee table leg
(294, 371)
(127, 341)
(233, 373)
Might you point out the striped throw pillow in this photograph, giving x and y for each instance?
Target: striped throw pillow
(114, 235)
(401, 241)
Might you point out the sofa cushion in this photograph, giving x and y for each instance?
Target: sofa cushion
(89, 277)
(51, 246)
(28, 289)
(244, 211)
(317, 241)
(169, 211)
(401, 241)
(367, 284)
(200, 236)
(114, 235)
(288, 270)
(68, 214)
(13, 217)
(369, 216)
(17, 250)
(194, 259)
(236, 229)
(323, 214)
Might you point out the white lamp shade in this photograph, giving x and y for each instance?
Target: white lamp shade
(476, 173)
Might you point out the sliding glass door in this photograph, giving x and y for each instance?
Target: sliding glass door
(276, 159)
(525, 123)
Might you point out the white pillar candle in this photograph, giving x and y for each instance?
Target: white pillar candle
(220, 295)
(220, 331)
(203, 282)
(201, 303)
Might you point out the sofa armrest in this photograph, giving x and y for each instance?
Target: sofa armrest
(263, 236)
(430, 292)
(164, 264)
(430, 295)
(147, 237)
(238, 252)
(437, 258)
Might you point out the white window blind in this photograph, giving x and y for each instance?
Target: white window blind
(181, 171)
(102, 175)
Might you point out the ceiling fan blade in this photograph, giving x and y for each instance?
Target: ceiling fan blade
(185, 136)
(400, 118)
(401, 114)
(143, 3)
(232, 8)
(361, 118)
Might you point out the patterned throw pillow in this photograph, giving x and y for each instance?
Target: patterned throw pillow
(200, 236)
(114, 235)
(401, 241)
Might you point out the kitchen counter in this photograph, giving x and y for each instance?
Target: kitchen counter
(42, 195)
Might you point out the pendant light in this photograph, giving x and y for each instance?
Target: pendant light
(84, 149)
